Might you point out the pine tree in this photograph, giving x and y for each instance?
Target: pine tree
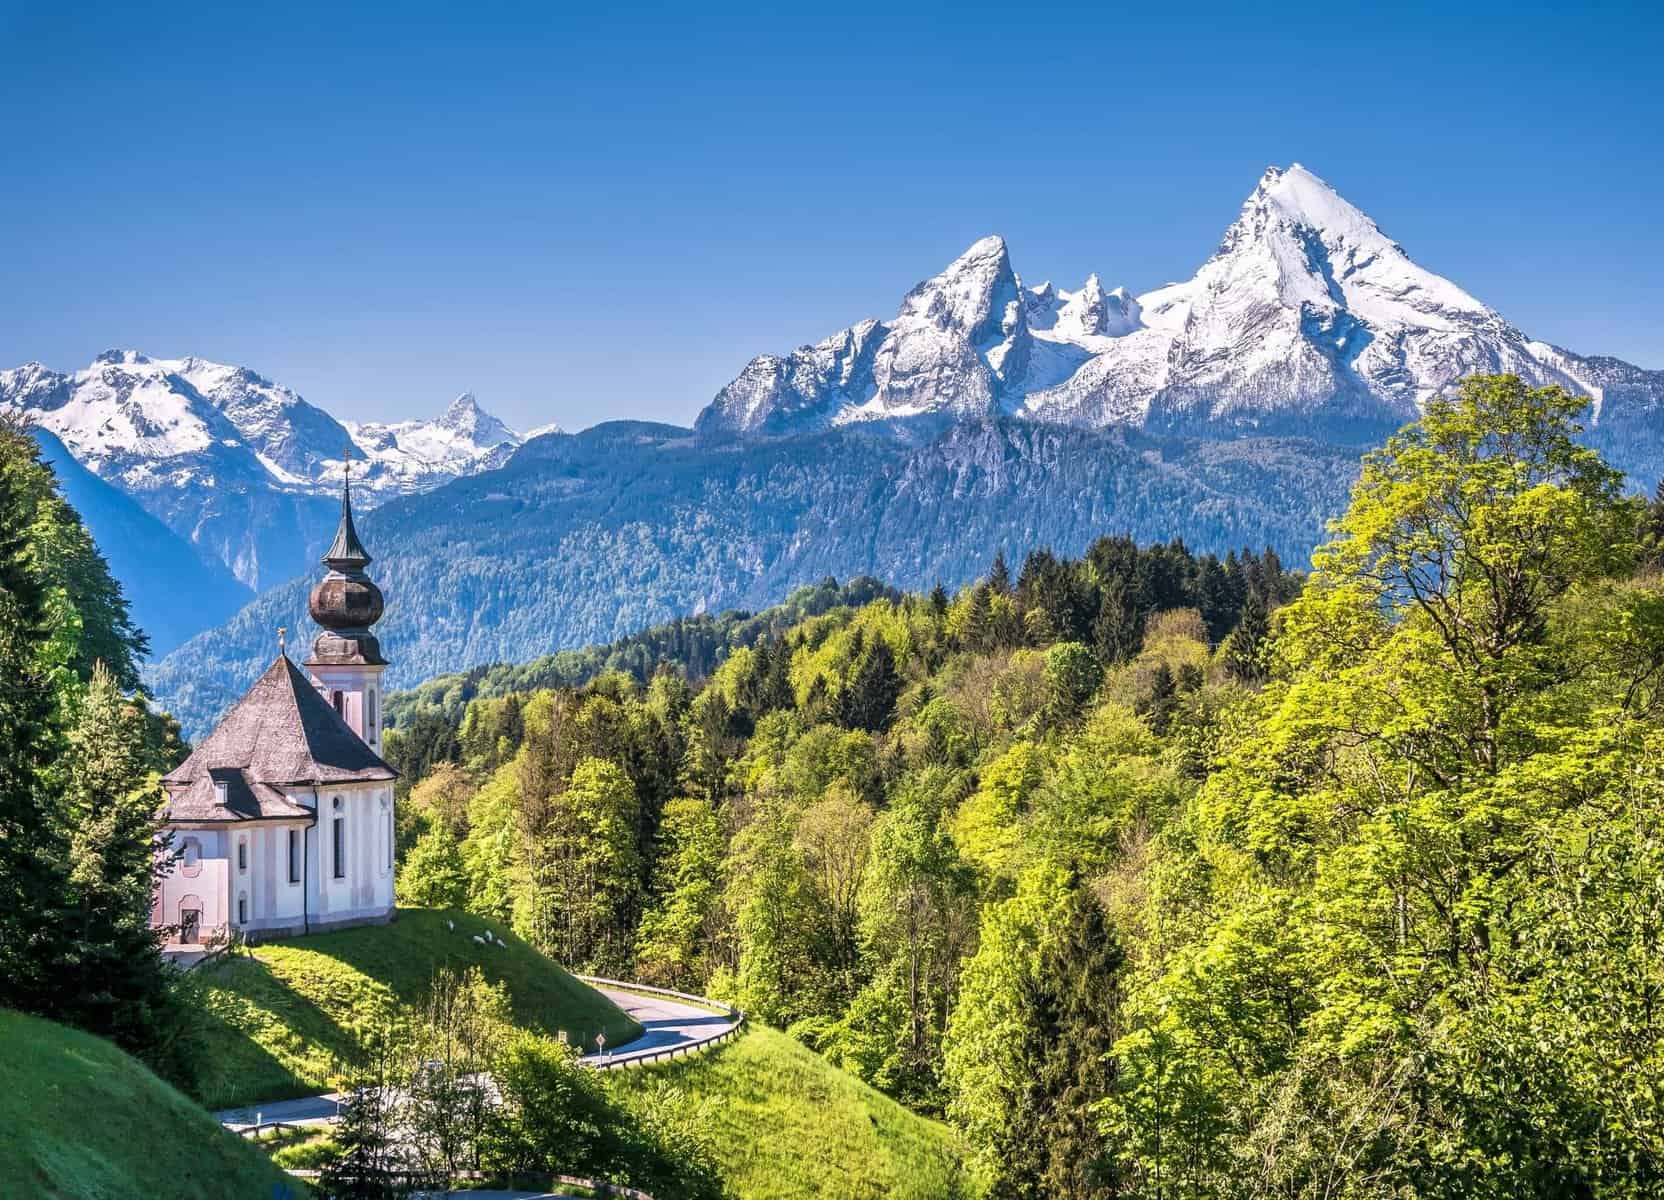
(1161, 702)
(979, 620)
(999, 576)
(1244, 649)
(32, 849)
(1052, 1149)
(115, 981)
(868, 700)
(1118, 630)
(939, 600)
(364, 1168)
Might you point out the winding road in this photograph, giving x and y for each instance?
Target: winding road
(669, 1024)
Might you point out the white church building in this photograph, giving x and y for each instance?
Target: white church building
(282, 817)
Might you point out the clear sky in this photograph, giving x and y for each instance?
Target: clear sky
(582, 212)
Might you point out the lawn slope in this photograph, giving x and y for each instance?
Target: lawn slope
(788, 1125)
(282, 1022)
(79, 1118)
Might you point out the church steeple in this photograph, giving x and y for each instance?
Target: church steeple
(346, 552)
(346, 602)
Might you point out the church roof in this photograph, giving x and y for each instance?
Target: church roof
(242, 800)
(281, 732)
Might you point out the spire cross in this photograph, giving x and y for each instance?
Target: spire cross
(282, 640)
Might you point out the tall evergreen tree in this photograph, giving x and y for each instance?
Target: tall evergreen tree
(113, 977)
(1052, 1148)
(1244, 649)
(999, 576)
(868, 700)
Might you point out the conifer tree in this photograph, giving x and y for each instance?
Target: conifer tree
(999, 576)
(868, 701)
(114, 979)
(979, 620)
(1052, 1148)
(1244, 657)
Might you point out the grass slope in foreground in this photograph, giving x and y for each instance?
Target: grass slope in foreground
(80, 1118)
(283, 1022)
(788, 1125)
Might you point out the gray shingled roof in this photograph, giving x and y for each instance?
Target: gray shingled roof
(281, 732)
(244, 800)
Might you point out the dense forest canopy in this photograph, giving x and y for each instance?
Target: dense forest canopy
(1160, 875)
(80, 760)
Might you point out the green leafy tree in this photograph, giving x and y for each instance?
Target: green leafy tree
(433, 874)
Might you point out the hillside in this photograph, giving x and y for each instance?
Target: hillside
(694, 645)
(283, 1020)
(784, 1124)
(84, 1120)
(154, 564)
(586, 538)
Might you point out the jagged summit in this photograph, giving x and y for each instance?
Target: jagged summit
(1307, 319)
(227, 458)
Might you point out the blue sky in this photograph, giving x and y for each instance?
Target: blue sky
(582, 215)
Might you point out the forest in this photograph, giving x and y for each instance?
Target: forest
(1158, 874)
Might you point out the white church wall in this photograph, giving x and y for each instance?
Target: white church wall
(199, 879)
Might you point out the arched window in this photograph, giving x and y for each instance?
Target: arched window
(370, 720)
(242, 854)
(338, 701)
(190, 858)
(242, 908)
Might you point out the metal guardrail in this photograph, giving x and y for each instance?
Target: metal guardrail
(698, 1045)
(600, 1187)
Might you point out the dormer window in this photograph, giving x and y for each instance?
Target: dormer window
(220, 792)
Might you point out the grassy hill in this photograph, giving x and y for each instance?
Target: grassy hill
(281, 1021)
(787, 1125)
(80, 1118)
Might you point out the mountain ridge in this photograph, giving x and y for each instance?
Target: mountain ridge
(242, 468)
(1307, 320)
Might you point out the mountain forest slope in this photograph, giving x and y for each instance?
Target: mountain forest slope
(585, 538)
(1141, 867)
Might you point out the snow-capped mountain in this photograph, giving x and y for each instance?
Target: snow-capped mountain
(241, 467)
(1307, 320)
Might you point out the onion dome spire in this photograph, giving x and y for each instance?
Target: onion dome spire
(346, 602)
(346, 552)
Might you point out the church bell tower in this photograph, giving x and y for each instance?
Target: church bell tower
(346, 661)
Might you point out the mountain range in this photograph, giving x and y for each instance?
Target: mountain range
(1228, 409)
(242, 471)
(1306, 321)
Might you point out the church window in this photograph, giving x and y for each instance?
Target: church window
(370, 723)
(190, 857)
(242, 854)
(340, 836)
(242, 909)
(388, 864)
(338, 700)
(294, 856)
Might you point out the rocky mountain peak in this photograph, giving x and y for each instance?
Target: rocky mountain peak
(971, 296)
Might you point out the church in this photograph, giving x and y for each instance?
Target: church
(282, 818)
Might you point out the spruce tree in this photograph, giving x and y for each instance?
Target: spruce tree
(1161, 701)
(979, 620)
(868, 701)
(115, 981)
(999, 576)
(1052, 1148)
(1244, 649)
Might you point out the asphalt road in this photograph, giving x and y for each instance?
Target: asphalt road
(668, 1023)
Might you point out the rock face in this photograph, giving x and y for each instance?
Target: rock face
(1307, 321)
(242, 468)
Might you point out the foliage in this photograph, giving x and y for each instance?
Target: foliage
(294, 1019)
